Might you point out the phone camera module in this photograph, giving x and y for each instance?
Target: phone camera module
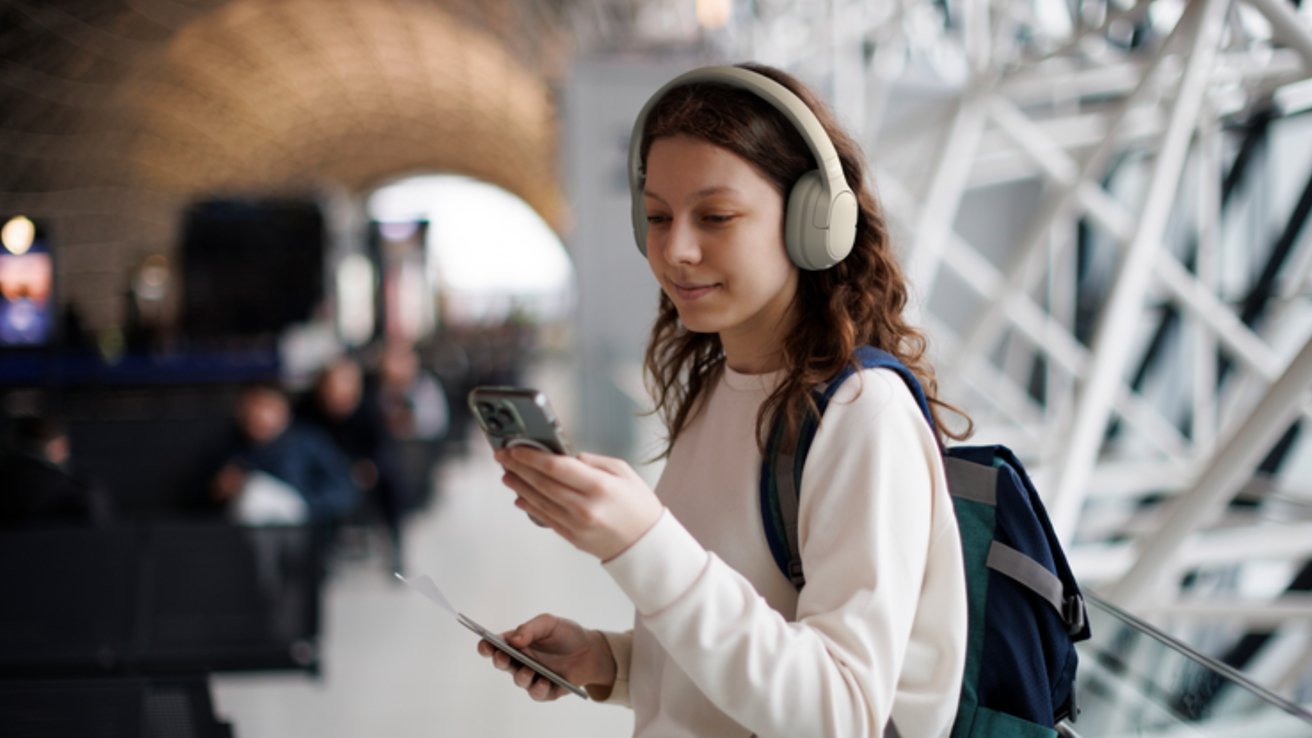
(503, 418)
(494, 418)
(497, 418)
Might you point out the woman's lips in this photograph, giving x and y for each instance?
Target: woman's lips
(693, 291)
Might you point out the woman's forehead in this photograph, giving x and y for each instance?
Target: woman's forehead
(694, 166)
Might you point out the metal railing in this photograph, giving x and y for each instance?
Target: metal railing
(1136, 680)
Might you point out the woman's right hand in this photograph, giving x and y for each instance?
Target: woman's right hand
(581, 656)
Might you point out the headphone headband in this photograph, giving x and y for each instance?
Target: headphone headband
(821, 221)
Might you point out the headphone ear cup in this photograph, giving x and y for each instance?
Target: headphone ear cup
(799, 227)
(810, 245)
(638, 212)
(840, 236)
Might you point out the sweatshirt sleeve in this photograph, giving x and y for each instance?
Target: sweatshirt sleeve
(621, 647)
(865, 526)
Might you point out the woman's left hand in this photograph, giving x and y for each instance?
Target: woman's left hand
(597, 503)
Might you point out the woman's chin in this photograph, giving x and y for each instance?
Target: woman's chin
(697, 323)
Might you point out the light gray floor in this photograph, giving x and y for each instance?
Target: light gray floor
(397, 666)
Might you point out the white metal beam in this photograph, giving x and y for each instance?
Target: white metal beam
(1287, 27)
(943, 197)
(989, 323)
(1109, 562)
(1110, 347)
(1249, 614)
(1225, 472)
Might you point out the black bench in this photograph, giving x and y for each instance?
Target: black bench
(109, 707)
(160, 598)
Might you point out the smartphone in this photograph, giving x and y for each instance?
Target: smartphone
(518, 416)
(522, 658)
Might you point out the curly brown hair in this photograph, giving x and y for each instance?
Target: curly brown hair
(858, 302)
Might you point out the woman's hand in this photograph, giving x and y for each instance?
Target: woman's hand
(581, 656)
(597, 503)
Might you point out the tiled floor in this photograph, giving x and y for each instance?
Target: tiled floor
(397, 666)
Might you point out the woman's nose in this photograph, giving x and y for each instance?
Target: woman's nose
(681, 245)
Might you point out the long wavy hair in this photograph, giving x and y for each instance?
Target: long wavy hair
(859, 301)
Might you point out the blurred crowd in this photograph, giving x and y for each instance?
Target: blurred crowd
(332, 455)
(350, 451)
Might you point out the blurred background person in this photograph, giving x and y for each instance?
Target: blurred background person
(339, 405)
(38, 481)
(413, 403)
(270, 454)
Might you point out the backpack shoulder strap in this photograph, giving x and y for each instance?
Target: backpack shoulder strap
(781, 467)
(873, 358)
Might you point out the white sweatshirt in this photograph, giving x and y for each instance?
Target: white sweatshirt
(723, 645)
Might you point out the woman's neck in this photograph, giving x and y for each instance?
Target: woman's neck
(757, 347)
(753, 359)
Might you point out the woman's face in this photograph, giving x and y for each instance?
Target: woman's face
(715, 243)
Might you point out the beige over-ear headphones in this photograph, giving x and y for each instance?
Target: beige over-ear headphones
(820, 218)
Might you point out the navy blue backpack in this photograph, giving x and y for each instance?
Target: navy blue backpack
(1025, 608)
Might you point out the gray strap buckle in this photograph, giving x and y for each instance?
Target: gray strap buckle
(1072, 611)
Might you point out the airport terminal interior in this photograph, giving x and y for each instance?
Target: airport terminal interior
(225, 221)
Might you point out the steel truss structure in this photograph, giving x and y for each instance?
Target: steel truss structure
(1145, 336)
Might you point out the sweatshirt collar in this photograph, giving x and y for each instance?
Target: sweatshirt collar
(752, 382)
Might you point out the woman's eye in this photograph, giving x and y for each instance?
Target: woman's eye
(657, 219)
(717, 218)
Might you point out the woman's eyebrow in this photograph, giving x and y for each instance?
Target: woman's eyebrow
(712, 190)
(699, 194)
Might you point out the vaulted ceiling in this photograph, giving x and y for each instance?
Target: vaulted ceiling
(115, 113)
(180, 97)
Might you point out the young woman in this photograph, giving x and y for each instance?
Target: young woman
(723, 644)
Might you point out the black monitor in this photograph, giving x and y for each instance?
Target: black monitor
(251, 267)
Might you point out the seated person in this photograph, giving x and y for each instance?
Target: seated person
(338, 405)
(40, 486)
(274, 456)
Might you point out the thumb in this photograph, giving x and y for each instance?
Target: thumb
(532, 631)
